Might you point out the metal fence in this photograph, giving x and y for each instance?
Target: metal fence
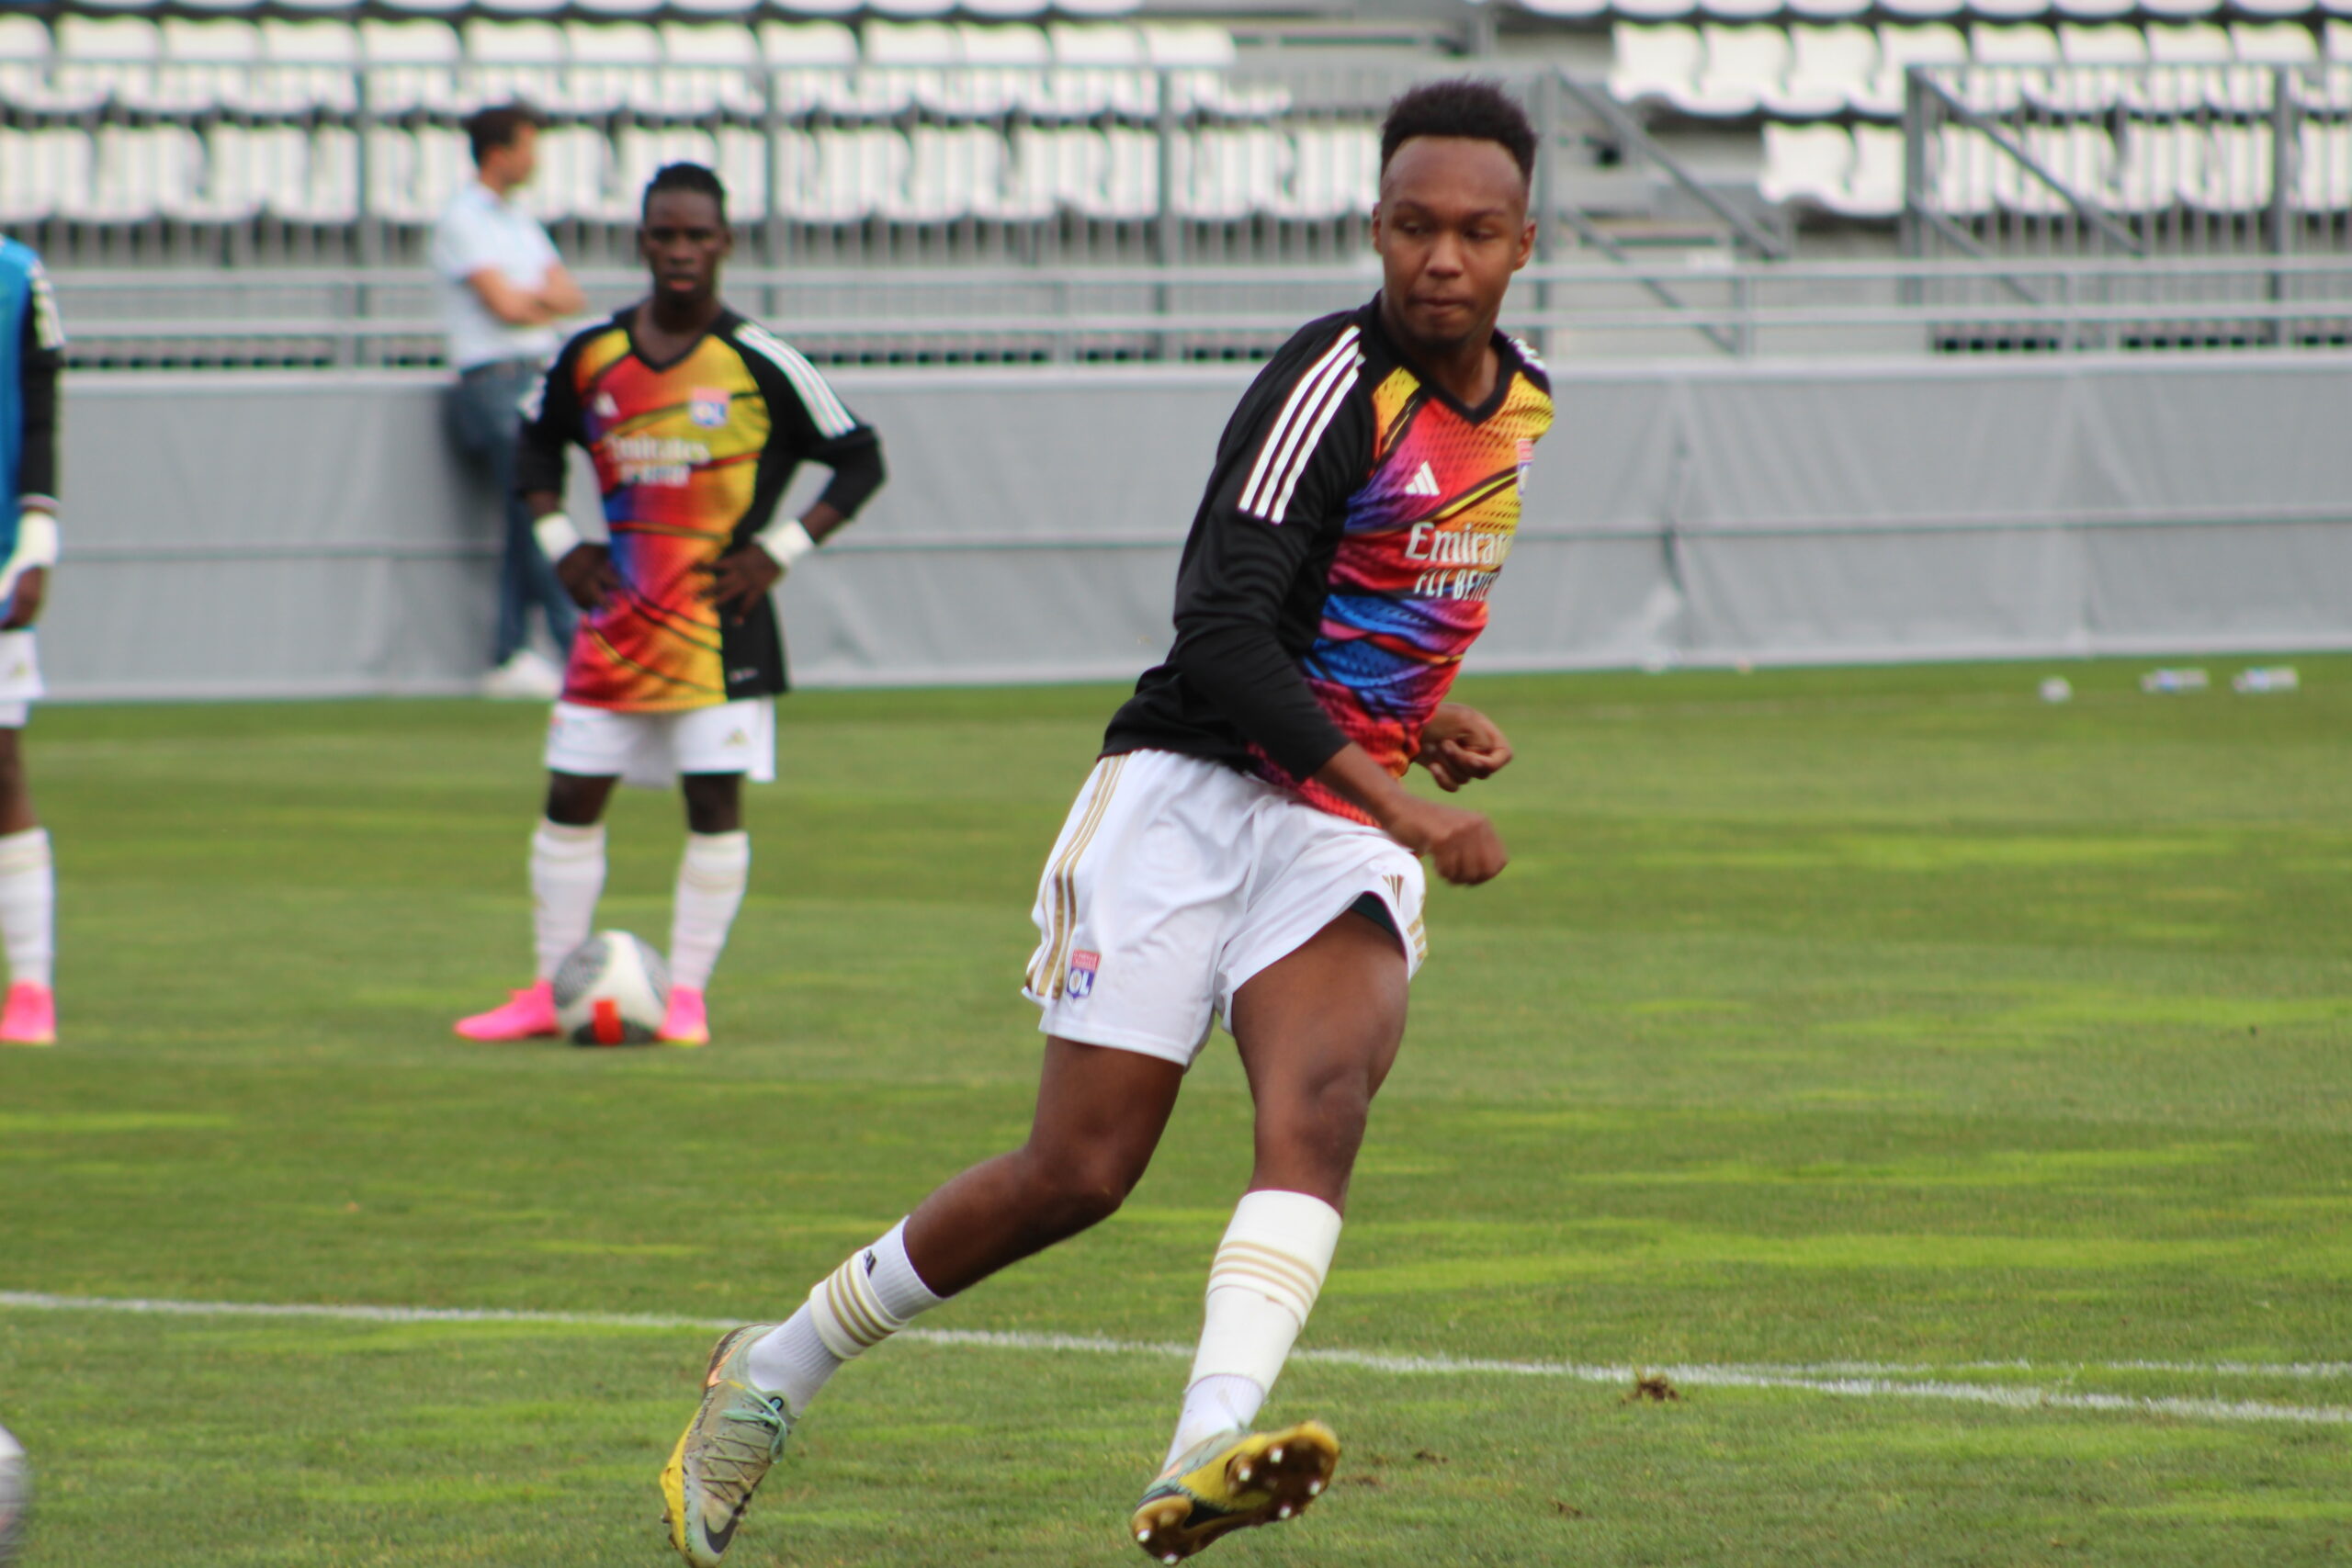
(2193, 165)
(970, 315)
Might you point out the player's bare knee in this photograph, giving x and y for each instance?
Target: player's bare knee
(574, 801)
(714, 802)
(1076, 1190)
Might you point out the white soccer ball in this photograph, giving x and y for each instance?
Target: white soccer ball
(612, 990)
(16, 1495)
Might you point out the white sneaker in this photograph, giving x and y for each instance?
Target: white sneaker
(526, 677)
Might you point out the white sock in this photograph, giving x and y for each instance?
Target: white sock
(1267, 1271)
(872, 1297)
(711, 877)
(567, 873)
(27, 905)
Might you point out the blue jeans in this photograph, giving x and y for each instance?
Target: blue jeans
(486, 423)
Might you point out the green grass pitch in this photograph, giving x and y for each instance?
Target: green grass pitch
(1885, 1017)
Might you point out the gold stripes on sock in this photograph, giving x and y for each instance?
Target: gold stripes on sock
(1050, 969)
(1290, 1282)
(847, 1311)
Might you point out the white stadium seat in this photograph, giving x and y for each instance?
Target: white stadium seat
(2017, 54)
(1657, 10)
(2008, 10)
(37, 167)
(1004, 66)
(412, 65)
(1874, 184)
(2102, 61)
(2339, 40)
(412, 175)
(815, 67)
(1738, 10)
(837, 175)
(574, 178)
(2236, 172)
(24, 66)
(204, 65)
(2274, 9)
(609, 66)
(1743, 64)
(2181, 90)
(308, 65)
(1924, 10)
(2154, 162)
(1335, 171)
(1828, 10)
(507, 59)
(1222, 174)
(2096, 10)
(319, 180)
(2180, 10)
(1829, 70)
(1654, 64)
(1099, 66)
(707, 66)
(105, 59)
(1805, 163)
(2324, 169)
(135, 173)
(620, 10)
(951, 171)
(227, 172)
(1899, 48)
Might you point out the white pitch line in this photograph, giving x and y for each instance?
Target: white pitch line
(1847, 1380)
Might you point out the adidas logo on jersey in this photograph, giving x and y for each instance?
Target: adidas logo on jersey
(1423, 482)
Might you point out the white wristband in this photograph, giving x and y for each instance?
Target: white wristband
(557, 539)
(786, 542)
(36, 542)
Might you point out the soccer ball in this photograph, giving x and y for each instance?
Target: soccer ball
(16, 1493)
(612, 990)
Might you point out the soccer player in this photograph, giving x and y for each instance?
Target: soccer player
(1244, 846)
(32, 353)
(696, 418)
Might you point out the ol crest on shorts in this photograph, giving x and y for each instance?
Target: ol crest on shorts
(1081, 984)
(707, 406)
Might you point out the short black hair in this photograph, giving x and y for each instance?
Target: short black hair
(499, 126)
(1469, 106)
(684, 176)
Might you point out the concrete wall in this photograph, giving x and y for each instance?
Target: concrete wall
(266, 534)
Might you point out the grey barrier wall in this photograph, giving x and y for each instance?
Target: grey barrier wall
(250, 535)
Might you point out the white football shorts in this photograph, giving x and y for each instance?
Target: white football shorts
(21, 684)
(650, 750)
(1175, 881)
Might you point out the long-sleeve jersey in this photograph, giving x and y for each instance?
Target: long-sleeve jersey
(692, 457)
(1339, 565)
(32, 355)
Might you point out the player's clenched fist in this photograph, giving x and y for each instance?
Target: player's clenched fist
(1460, 745)
(1463, 845)
(587, 574)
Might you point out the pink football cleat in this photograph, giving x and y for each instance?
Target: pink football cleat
(31, 1017)
(529, 1014)
(685, 1023)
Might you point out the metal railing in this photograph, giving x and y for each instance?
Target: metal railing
(1015, 316)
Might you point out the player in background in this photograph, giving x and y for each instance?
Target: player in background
(32, 355)
(696, 418)
(1244, 846)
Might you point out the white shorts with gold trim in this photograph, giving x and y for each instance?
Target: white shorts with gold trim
(1175, 881)
(20, 683)
(650, 750)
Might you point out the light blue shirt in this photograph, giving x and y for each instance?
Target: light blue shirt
(483, 229)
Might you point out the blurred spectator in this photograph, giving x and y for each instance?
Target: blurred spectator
(503, 289)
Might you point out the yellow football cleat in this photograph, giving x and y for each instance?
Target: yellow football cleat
(735, 1437)
(1231, 1482)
